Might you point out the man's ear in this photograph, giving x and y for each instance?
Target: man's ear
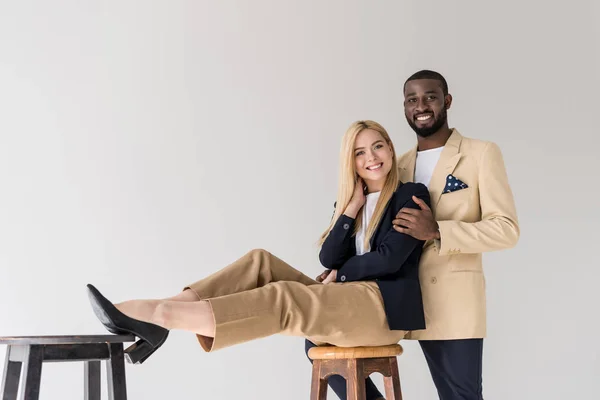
(448, 101)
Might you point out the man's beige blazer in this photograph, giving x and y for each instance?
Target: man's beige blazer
(474, 220)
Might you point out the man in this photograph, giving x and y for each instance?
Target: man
(472, 212)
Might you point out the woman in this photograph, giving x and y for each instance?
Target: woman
(370, 297)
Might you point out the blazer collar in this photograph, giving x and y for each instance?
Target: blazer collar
(448, 160)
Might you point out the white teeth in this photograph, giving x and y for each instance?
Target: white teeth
(423, 117)
(374, 167)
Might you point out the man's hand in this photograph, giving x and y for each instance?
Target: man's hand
(331, 277)
(419, 224)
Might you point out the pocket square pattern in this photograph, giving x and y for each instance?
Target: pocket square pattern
(453, 184)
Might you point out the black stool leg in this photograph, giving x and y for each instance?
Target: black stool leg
(10, 378)
(115, 367)
(91, 378)
(32, 371)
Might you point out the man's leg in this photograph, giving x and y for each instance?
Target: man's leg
(456, 367)
(338, 383)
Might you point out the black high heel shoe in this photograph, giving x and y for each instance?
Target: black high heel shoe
(151, 336)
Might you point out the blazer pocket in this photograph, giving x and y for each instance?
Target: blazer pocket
(466, 191)
(465, 262)
(455, 205)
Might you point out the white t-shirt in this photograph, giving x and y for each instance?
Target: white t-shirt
(367, 213)
(426, 162)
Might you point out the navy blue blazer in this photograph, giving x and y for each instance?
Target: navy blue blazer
(392, 262)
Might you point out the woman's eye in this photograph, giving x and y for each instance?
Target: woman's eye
(360, 153)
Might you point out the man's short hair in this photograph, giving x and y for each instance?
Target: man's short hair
(427, 74)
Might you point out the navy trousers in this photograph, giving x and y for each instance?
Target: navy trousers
(455, 365)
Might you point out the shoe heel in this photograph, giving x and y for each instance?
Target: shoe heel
(138, 352)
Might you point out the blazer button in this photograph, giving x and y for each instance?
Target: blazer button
(346, 226)
(343, 278)
(433, 280)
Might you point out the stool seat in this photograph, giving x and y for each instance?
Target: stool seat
(337, 353)
(26, 354)
(25, 340)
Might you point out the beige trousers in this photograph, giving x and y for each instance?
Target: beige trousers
(260, 295)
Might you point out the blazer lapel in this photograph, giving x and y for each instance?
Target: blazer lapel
(406, 167)
(445, 165)
(384, 217)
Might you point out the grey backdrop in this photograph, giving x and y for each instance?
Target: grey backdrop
(144, 144)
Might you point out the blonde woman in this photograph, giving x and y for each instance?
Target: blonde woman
(370, 297)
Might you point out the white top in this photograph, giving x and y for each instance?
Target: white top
(426, 162)
(367, 213)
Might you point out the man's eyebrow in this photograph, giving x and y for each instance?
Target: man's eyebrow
(427, 92)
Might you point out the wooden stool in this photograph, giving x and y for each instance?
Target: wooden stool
(355, 364)
(32, 351)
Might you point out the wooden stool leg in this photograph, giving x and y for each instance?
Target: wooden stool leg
(355, 382)
(9, 386)
(91, 380)
(318, 388)
(392, 382)
(115, 368)
(32, 372)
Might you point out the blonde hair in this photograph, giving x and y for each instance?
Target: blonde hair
(347, 179)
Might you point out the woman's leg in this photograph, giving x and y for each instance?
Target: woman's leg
(342, 314)
(260, 295)
(348, 314)
(186, 295)
(255, 269)
(144, 309)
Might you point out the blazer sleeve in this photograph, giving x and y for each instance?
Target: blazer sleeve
(339, 244)
(391, 254)
(498, 228)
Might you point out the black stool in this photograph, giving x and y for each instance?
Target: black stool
(27, 353)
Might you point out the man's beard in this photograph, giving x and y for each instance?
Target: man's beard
(428, 131)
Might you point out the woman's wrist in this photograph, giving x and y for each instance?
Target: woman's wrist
(351, 211)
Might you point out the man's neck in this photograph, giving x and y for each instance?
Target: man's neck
(438, 139)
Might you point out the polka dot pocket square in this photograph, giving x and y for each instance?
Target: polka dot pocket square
(453, 184)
